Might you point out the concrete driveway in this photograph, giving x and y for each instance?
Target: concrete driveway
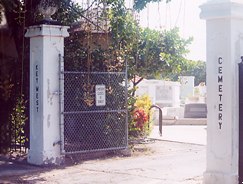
(156, 162)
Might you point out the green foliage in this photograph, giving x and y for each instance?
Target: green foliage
(197, 69)
(19, 11)
(141, 4)
(6, 87)
(148, 53)
(68, 12)
(160, 52)
(147, 60)
(174, 51)
(191, 68)
(18, 120)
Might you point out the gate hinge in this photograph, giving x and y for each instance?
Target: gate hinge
(57, 143)
(56, 93)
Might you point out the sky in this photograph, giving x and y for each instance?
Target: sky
(184, 14)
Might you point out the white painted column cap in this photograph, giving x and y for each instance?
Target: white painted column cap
(47, 30)
(221, 9)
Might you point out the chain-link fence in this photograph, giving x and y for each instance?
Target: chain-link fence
(95, 112)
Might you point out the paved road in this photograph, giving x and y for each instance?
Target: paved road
(159, 162)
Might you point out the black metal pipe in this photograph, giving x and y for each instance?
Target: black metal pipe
(160, 117)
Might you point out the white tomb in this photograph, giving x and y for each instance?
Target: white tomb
(162, 93)
(187, 86)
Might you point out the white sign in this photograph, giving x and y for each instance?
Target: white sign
(100, 95)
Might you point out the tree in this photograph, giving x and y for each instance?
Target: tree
(191, 68)
(14, 72)
(147, 52)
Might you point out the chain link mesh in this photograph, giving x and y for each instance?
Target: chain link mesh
(87, 125)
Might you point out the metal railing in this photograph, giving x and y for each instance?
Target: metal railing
(160, 117)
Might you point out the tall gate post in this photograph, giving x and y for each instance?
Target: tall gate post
(46, 45)
(224, 21)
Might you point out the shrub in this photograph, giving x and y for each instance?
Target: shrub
(139, 117)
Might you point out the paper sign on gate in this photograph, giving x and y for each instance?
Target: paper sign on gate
(100, 95)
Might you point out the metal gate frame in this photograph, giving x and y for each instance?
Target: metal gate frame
(101, 112)
(241, 121)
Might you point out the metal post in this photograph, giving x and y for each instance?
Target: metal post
(160, 117)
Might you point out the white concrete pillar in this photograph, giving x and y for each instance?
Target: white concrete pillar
(46, 45)
(224, 21)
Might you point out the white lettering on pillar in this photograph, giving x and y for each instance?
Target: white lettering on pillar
(220, 91)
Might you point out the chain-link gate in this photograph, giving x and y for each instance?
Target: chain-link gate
(95, 111)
